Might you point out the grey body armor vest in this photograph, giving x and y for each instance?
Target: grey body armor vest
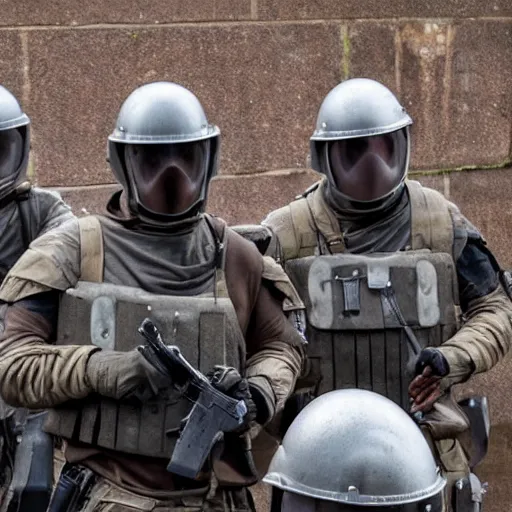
(205, 328)
(369, 316)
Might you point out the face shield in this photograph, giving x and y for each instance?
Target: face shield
(11, 153)
(168, 179)
(368, 169)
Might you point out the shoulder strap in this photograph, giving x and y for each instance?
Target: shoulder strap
(218, 229)
(431, 221)
(274, 273)
(91, 249)
(303, 232)
(305, 224)
(325, 222)
(285, 243)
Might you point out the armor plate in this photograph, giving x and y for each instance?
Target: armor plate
(207, 332)
(370, 315)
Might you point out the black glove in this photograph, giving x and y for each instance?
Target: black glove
(434, 358)
(229, 381)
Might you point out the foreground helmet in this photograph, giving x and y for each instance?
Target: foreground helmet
(361, 142)
(14, 143)
(164, 152)
(355, 451)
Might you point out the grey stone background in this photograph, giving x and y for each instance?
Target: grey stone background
(261, 69)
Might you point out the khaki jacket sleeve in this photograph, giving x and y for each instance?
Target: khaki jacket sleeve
(483, 340)
(35, 374)
(52, 262)
(278, 361)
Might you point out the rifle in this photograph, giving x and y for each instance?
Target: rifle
(212, 415)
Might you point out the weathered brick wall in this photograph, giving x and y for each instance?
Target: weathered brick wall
(261, 69)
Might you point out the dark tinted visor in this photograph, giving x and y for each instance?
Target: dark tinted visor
(168, 178)
(11, 152)
(368, 168)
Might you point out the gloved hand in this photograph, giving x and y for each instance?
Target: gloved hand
(425, 388)
(121, 375)
(434, 358)
(229, 381)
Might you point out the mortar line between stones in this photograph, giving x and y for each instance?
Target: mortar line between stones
(254, 9)
(102, 26)
(398, 61)
(446, 186)
(25, 99)
(413, 173)
(507, 164)
(447, 80)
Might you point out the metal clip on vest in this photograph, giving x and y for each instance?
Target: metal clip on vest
(351, 292)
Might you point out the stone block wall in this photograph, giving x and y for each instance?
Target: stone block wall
(261, 69)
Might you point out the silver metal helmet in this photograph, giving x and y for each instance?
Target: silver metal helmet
(357, 451)
(14, 143)
(361, 126)
(167, 119)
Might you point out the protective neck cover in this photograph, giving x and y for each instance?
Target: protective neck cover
(180, 262)
(385, 229)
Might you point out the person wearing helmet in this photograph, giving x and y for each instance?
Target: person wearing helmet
(353, 450)
(26, 212)
(384, 266)
(79, 294)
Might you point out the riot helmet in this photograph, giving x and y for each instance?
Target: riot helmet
(361, 143)
(353, 450)
(14, 143)
(164, 152)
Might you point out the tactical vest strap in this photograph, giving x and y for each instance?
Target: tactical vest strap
(292, 240)
(91, 249)
(312, 224)
(275, 274)
(431, 221)
(305, 225)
